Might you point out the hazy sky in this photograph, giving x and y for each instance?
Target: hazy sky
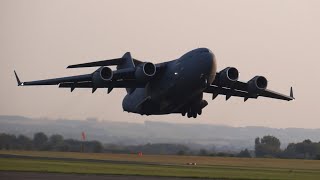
(275, 38)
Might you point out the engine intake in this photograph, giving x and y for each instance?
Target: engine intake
(102, 75)
(228, 76)
(106, 73)
(145, 71)
(257, 84)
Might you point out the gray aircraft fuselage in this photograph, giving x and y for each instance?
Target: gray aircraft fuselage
(180, 86)
(175, 86)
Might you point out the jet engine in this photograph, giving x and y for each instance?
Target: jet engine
(257, 84)
(145, 71)
(100, 76)
(228, 76)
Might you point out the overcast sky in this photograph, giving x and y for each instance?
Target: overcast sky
(275, 38)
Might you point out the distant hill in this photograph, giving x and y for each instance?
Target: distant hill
(214, 137)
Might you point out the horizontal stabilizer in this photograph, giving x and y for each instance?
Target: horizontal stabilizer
(110, 62)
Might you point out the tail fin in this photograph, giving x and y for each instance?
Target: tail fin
(127, 61)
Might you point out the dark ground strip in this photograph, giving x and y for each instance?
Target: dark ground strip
(7, 175)
(77, 160)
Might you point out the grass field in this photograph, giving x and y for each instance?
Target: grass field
(209, 167)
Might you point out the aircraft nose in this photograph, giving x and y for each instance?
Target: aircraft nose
(204, 50)
(206, 57)
(207, 63)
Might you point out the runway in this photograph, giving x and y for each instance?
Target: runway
(20, 175)
(7, 175)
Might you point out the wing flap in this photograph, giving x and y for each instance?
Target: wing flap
(240, 89)
(228, 92)
(56, 81)
(245, 94)
(76, 85)
(110, 84)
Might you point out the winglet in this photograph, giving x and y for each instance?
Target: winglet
(17, 78)
(291, 93)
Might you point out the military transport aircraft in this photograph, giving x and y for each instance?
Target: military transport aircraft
(175, 86)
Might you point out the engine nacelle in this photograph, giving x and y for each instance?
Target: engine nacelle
(145, 71)
(228, 76)
(102, 75)
(257, 84)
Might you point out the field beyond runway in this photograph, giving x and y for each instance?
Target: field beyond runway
(132, 165)
(60, 176)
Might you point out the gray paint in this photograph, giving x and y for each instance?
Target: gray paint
(176, 86)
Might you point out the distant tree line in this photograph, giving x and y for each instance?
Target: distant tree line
(56, 142)
(269, 146)
(42, 142)
(159, 148)
(244, 153)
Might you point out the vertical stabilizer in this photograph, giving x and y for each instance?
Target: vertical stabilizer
(127, 61)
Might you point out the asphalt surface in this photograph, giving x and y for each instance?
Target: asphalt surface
(77, 159)
(6, 175)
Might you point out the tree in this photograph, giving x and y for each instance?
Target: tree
(97, 147)
(7, 141)
(24, 142)
(268, 146)
(271, 141)
(56, 142)
(56, 139)
(306, 149)
(181, 152)
(310, 149)
(203, 152)
(257, 141)
(40, 140)
(244, 153)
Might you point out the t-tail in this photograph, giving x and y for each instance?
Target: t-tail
(127, 63)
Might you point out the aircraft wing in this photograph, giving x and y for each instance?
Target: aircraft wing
(242, 89)
(54, 81)
(124, 77)
(228, 92)
(86, 81)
